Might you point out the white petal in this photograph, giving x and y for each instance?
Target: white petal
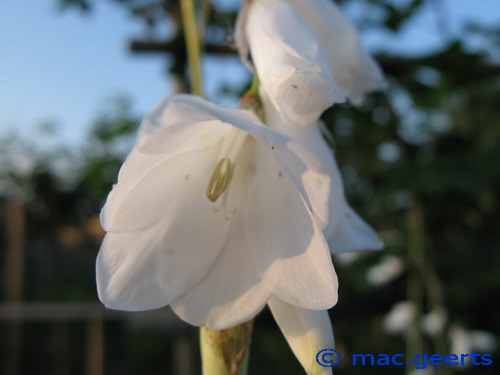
(139, 268)
(306, 331)
(345, 231)
(240, 35)
(231, 293)
(141, 186)
(292, 67)
(177, 124)
(286, 244)
(353, 234)
(151, 268)
(129, 271)
(313, 140)
(152, 187)
(354, 69)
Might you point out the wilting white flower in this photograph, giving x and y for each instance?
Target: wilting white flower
(306, 331)
(213, 214)
(346, 231)
(307, 54)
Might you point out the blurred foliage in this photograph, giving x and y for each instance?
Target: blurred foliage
(420, 162)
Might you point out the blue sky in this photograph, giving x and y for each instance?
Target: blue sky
(64, 67)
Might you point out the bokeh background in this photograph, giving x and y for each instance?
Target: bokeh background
(421, 162)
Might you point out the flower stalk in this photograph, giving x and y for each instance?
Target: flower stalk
(193, 45)
(226, 352)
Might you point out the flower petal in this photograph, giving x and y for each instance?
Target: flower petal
(159, 229)
(152, 187)
(312, 139)
(292, 67)
(306, 331)
(354, 70)
(176, 124)
(231, 293)
(240, 35)
(151, 268)
(286, 244)
(345, 231)
(353, 234)
(129, 271)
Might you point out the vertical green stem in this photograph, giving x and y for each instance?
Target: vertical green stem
(226, 352)
(192, 45)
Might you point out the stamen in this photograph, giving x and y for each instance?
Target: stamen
(222, 176)
(220, 180)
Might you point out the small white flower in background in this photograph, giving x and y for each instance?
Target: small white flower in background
(460, 341)
(387, 270)
(213, 214)
(465, 341)
(307, 54)
(400, 318)
(434, 322)
(348, 259)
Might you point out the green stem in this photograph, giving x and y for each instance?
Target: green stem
(254, 86)
(192, 45)
(226, 352)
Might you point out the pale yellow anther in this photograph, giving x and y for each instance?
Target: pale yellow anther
(220, 180)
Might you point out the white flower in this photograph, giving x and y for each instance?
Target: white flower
(214, 213)
(434, 322)
(291, 65)
(306, 331)
(354, 69)
(465, 341)
(387, 270)
(346, 231)
(304, 51)
(400, 318)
